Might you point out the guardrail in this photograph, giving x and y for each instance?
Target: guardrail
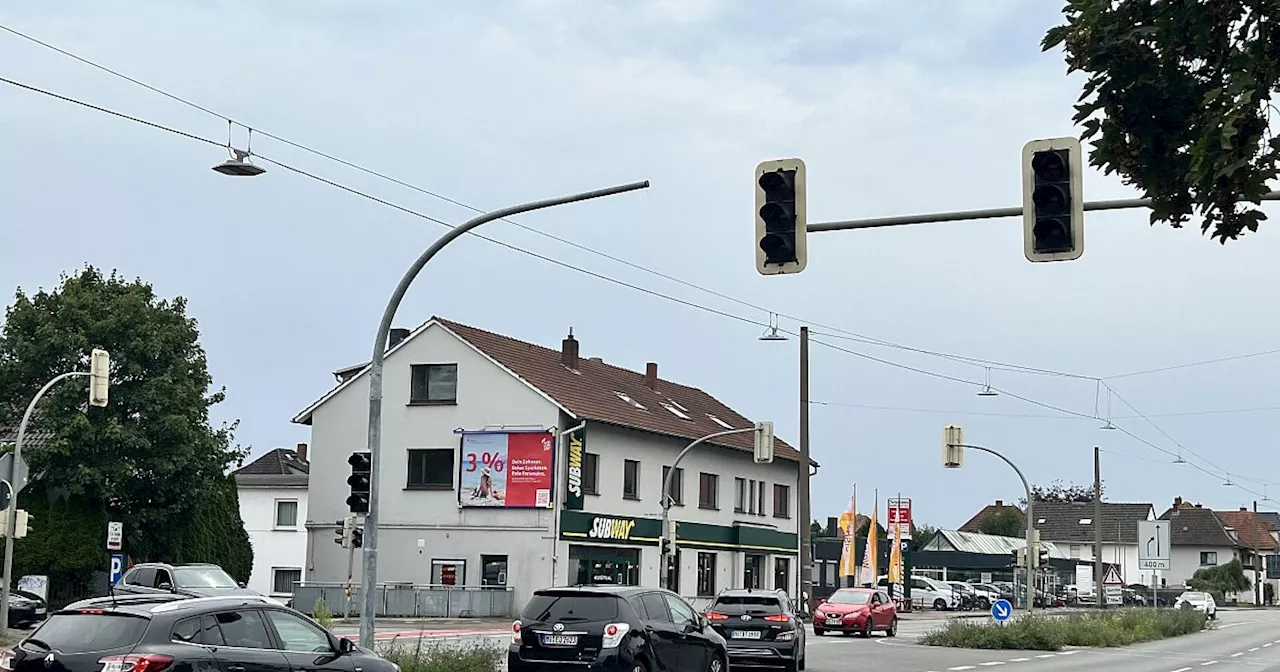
(409, 600)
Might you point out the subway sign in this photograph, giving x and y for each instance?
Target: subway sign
(575, 447)
(602, 528)
(615, 529)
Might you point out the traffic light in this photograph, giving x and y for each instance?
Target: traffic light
(1052, 200)
(1016, 560)
(357, 537)
(361, 470)
(781, 217)
(99, 377)
(23, 524)
(1043, 557)
(344, 532)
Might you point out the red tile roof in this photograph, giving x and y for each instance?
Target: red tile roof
(987, 511)
(1243, 522)
(605, 393)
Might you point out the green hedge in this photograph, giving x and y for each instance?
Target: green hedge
(428, 656)
(1051, 633)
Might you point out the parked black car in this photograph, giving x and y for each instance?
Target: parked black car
(613, 629)
(155, 634)
(193, 580)
(26, 609)
(763, 628)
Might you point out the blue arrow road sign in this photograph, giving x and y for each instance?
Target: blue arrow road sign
(117, 567)
(1001, 610)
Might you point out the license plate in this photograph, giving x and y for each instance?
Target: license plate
(746, 634)
(833, 620)
(559, 640)
(40, 610)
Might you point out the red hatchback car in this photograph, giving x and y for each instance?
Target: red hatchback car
(860, 610)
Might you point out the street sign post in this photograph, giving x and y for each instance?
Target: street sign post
(19, 474)
(115, 536)
(1113, 584)
(900, 516)
(1001, 610)
(1153, 545)
(117, 567)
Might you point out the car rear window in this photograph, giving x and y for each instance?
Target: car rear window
(747, 604)
(568, 608)
(79, 632)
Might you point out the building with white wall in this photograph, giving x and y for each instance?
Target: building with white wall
(273, 505)
(557, 507)
(1071, 527)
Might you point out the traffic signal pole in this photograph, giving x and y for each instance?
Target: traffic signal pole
(369, 577)
(987, 213)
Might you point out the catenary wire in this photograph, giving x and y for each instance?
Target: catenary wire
(1045, 416)
(668, 297)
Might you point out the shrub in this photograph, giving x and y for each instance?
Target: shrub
(1051, 633)
(430, 656)
(322, 614)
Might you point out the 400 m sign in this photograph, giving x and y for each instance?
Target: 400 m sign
(575, 448)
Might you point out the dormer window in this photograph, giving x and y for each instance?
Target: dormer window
(675, 411)
(720, 422)
(631, 401)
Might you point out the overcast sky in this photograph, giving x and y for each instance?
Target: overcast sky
(896, 108)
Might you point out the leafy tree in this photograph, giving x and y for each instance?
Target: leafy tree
(1221, 580)
(865, 528)
(150, 458)
(921, 535)
(1058, 492)
(1005, 522)
(1178, 102)
(817, 530)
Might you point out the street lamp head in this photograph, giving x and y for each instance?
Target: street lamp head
(238, 165)
(771, 334)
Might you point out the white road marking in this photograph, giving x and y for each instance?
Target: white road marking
(1045, 655)
(1068, 653)
(1266, 645)
(991, 663)
(1207, 663)
(1019, 660)
(1237, 655)
(959, 668)
(1182, 669)
(1253, 649)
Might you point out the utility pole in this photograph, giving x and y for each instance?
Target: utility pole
(1257, 559)
(802, 490)
(1099, 567)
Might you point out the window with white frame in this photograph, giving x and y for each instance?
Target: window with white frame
(287, 513)
(283, 578)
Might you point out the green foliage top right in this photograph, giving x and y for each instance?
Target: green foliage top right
(1178, 102)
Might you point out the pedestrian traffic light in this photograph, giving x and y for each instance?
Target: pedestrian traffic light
(361, 470)
(781, 217)
(344, 532)
(357, 537)
(1052, 200)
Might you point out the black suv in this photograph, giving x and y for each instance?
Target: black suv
(612, 629)
(763, 628)
(194, 580)
(157, 634)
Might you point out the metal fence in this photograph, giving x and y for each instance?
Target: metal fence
(408, 600)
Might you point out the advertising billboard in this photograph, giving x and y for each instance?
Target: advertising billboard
(511, 470)
(575, 444)
(900, 517)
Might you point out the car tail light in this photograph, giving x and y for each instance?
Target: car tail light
(89, 611)
(778, 618)
(6, 660)
(146, 662)
(713, 616)
(515, 633)
(785, 636)
(613, 634)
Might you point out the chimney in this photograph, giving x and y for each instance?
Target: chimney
(1244, 508)
(1177, 502)
(398, 334)
(999, 503)
(302, 452)
(569, 351)
(833, 526)
(651, 375)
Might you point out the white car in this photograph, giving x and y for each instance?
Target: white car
(934, 594)
(1202, 602)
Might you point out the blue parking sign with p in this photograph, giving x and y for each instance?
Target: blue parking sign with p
(117, 567)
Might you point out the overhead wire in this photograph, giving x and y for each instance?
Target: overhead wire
(840, 333)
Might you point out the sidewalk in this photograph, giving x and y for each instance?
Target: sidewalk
(409, 628)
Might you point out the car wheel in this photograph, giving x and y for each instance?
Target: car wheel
(939, 605)
(718, 664)
(819, 633)
(866, 629)
(984, 604)
(639, 666)
(893, 628)
(800, 663)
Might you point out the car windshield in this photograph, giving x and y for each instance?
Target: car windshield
(1194, 597)
(747, 604)
(202, 577)
(850, 597)
(544, 607)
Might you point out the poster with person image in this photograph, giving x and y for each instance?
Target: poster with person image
(506, 469)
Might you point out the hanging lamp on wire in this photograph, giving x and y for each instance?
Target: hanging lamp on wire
(986, 387)
(771, 333)
(1228, 482)
(1107, 425)
(239, 165)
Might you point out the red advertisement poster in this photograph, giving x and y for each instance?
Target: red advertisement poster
(529, 473)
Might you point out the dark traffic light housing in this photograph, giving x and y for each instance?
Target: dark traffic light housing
(357, 537)
(361, 471)
(781, 217)
(1052, 200)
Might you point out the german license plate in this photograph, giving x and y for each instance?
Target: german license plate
(40, 610)
(559, 640)
(746, 634)
(833, 620)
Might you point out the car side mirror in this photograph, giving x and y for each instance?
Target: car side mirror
(166, 586)
(692, 627)
(345, 645)
(241, 584)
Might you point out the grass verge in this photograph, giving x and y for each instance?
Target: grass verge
(1051, 633)
(429, 656)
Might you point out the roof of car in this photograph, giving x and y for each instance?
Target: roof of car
(858, 589)
(149, 605)
(175, 564)
(736, 592)
(598, 589)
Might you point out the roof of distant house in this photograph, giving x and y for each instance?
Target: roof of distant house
(589, 389)
(277, 467)
(1252, 531)
(1194, 525)
(1073, 521)
(987, 511)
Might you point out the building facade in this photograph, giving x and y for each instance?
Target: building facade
(507, 465)
(273, 505)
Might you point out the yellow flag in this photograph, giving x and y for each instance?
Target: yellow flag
(848, 563)
(870, 561)
(895, 557)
